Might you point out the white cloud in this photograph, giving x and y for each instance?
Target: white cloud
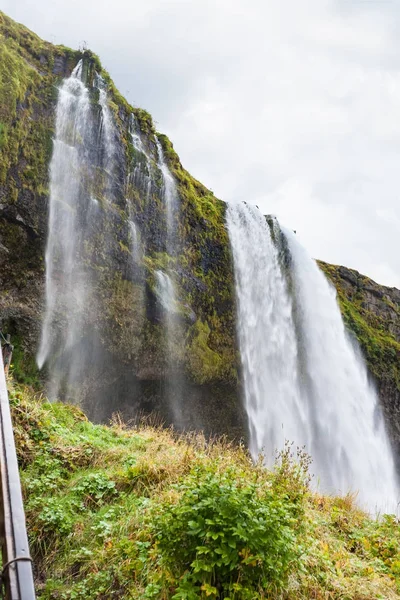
(294, 106)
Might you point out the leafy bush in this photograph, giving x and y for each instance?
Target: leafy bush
(95, 489)
(55, 518)
(225, 537)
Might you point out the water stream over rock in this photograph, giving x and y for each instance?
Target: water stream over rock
(84, 145)
(304, 378)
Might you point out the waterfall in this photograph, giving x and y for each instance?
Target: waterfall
(264, 313)
(304, 379)
(141, 175)
(346, 436)
(84, 145)
(170, 196)
(166, 293)
(174, 384)
(107, 130)
(135, 242)
(66, 284)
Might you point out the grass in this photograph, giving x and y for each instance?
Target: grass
(114, 512)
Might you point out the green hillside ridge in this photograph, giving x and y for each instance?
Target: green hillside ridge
(114, 512)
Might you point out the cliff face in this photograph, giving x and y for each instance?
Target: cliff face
(372, 314)
(132, 365)
(131, 362)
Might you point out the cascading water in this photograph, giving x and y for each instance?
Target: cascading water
(346, 436)
(83, 153)
(264, 314)
(135, 242)
(141, 175)
(166, 292)
(66, 284)
(170, 196)
(107, 130)
(303, 378)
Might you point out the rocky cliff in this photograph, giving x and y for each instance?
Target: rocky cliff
(131, 364)
(132, 367)
(372, 314)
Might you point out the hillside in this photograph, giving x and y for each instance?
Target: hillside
(143, 513)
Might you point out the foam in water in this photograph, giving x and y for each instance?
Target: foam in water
(304, 380)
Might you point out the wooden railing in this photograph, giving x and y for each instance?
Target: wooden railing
(16, 570)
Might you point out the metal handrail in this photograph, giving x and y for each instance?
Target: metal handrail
(17, 575)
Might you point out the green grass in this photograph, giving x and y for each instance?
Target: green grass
(141, 513)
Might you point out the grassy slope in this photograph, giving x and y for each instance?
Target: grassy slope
(119, 513)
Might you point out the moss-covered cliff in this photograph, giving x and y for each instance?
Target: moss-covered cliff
(132, 365)
(372, 314)
(123, 327)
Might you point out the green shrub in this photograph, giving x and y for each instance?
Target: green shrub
(95, 489)
(225, 537)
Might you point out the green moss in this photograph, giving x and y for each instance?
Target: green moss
(380, 347)
(123, 316)
(145, 122)
(24, 367)
(204, 364)
(3, 135)
(381, 351)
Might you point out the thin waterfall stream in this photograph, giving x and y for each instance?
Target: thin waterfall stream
(166, 291)
(84, 141)
(304, 378)
(67, 285)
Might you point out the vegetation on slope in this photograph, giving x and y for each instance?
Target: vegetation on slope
(372, 325)
(114, 512)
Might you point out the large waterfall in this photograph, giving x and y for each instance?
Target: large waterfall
(304, 379)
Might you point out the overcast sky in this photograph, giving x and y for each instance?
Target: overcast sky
(293, 105)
